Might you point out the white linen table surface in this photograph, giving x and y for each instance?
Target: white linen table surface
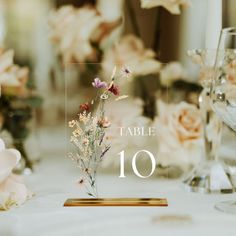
(54, 181)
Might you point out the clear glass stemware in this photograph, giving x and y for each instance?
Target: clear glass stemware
(211, 175)
(223, 89)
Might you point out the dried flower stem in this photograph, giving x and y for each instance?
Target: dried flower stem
(89, 132)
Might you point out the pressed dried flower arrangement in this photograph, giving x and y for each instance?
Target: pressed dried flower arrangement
(89, 131)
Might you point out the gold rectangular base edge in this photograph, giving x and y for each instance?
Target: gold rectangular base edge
(136, 202)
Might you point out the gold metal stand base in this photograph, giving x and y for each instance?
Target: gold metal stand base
(114, 202)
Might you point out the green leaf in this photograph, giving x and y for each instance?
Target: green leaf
(90, 194)
(34, 101)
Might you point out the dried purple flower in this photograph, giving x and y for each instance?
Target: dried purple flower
(97, 83)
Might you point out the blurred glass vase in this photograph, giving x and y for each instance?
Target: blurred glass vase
(212, 175)
(18, 122)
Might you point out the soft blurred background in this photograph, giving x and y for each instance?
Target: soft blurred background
(56, 39)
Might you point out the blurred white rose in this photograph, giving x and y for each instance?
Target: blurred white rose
(7, 78)
(125, 113)
(172, 72)
(6, 136)
(13, 78)
(111, 10)
(196, 56)
(15, 81)
(173, 6)
(6, 59)
(130, 52)
(73, 30)
(12, 190)
(231, 72)
(179, 133)
(205, 59)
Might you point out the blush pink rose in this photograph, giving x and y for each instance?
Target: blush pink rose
(185, 122)
(179, 133)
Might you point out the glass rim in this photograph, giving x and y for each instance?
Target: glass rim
(209, 50)
(202, 50)
(229, 30)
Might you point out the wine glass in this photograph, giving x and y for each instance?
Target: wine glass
(223, 89)
(211, 175)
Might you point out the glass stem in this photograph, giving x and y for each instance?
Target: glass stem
(212, 127)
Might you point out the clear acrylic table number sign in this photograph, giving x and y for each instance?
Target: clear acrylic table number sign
(91, 123)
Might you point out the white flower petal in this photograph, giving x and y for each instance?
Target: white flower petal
(2, 145)
(6, 60)
(173, 6)
(16, 153)
(13, 193)
(130, 52)
(8, 160)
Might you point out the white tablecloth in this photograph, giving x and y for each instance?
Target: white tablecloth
(54, 181)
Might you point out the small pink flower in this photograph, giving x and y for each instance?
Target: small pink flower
(84, 107)
(105, 123)
(97, 83)
(85, 141)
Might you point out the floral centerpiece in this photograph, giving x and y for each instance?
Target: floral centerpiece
(17, 101)
(89, 132)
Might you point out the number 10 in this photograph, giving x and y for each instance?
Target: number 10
(134, 167)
